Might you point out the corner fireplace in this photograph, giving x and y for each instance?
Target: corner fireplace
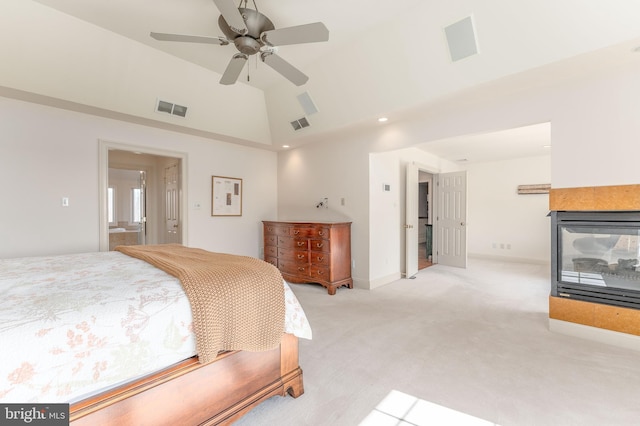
(595, 257)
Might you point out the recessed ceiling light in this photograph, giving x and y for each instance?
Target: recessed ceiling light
(546, 146)
(382, 119)
(285, 146)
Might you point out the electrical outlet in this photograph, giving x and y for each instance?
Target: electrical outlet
(65, 201)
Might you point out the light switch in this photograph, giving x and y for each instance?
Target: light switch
(65, 201)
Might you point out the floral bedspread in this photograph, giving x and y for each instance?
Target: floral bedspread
(77, 324)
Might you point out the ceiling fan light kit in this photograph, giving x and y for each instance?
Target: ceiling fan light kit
(251, 32)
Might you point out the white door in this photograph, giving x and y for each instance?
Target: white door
(451, 219)
(172, 204)
(411, 221)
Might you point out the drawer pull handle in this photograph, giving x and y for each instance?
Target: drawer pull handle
(319, 245)
(319, 272)
(320, 258)
(296, 231)
(301, 269)
(301, 256)
(301, 243)
(321, 233)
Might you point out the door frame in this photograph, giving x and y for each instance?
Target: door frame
(104, 146)
(409, 250)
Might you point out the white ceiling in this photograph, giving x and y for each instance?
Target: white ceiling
(387, 57)
(527, 141)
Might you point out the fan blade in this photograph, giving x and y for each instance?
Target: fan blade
(189, 38)
(232, 16)
(308, 33)
(287, 70)
(234, 68)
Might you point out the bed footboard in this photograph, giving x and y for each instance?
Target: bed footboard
(193, 394)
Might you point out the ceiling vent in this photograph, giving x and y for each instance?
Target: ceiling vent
(300, 123)
(171, 108)
(461, 39)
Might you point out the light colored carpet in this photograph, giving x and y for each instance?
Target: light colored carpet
(474, 340)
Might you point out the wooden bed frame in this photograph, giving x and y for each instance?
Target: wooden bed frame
(189, 393)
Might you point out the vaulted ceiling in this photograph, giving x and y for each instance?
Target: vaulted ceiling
(386, 58)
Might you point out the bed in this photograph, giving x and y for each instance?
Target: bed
(115, 337)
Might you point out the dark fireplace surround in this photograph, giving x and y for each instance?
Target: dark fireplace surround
(595, 257)
(595, 261)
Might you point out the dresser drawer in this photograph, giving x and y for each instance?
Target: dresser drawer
(271, 251)
(276, 230)
(319, 245)
(321, 273)
(270, 240)
(294, 243)
(297, 256)
(319, 258)
(310, 232)
(290, 267)
(272, 260)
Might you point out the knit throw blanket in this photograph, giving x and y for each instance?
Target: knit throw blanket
(237, 302)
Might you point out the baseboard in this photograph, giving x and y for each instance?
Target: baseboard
(509, 259)
(615, 338)
(379, 282)
(362, 284)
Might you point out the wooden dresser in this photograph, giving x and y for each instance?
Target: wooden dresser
(310, 252)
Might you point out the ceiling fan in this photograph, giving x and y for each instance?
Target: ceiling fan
(252, 33)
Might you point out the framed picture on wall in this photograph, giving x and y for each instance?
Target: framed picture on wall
(226, 196)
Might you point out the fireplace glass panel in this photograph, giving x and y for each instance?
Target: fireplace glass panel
(602, 256)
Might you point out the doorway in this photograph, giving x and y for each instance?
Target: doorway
(448, 213)
(425, 217)
(140, 203)
(126, 206)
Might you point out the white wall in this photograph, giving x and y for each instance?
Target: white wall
(595, 130)
(49, 153)
(500, 222)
